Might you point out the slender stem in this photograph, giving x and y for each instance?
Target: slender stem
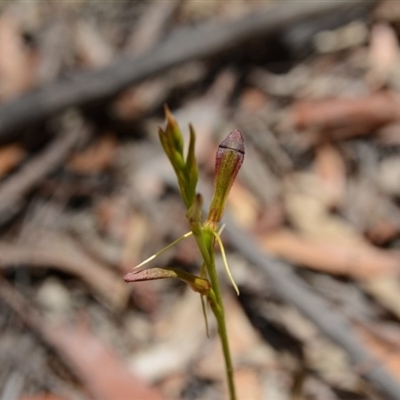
(228, 161)
(218, 309)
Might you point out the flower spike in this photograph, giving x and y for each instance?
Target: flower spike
(229, 159)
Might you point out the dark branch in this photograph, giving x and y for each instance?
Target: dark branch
(185, 44)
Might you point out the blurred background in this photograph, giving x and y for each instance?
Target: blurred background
(86, 193)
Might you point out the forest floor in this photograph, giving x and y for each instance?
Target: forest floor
(86, 193)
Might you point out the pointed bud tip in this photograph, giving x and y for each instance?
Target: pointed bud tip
(129, 277)
(166, 109)
(168, 114)
(234, 141)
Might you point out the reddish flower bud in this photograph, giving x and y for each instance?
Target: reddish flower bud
(229, 159)
(198, 284)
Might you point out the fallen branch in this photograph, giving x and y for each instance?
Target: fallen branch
(183, 45)
(57, 250)
(18, 185)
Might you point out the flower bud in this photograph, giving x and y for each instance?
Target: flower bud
(229, 159)
(198, 284)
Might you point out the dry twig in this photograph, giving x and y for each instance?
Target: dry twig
(13, 190)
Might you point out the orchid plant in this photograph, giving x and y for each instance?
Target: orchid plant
(229, 158)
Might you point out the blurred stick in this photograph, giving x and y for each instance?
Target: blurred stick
(59, 251)
(185, 44)
(341, 117)
(289, 287)
(151, 26)
(14, 189)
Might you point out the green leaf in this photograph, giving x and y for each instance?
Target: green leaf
(173, 131)
(191, 164)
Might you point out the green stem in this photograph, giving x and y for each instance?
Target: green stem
(205, 239)
(217, 307)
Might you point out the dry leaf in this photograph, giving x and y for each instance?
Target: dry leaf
(359, 261)
(346, 117)
(386, 290)
(248, 384)
(386, 354)
(331, 170)
(92, 48)
(307, 206)
(384, 53)
(10, 157)
(97, 365)
(244, 206)
(17, 66)
(96, 158)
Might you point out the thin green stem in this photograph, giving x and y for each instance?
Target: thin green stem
(217, 307)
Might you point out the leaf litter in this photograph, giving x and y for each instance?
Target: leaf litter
(318, 189)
